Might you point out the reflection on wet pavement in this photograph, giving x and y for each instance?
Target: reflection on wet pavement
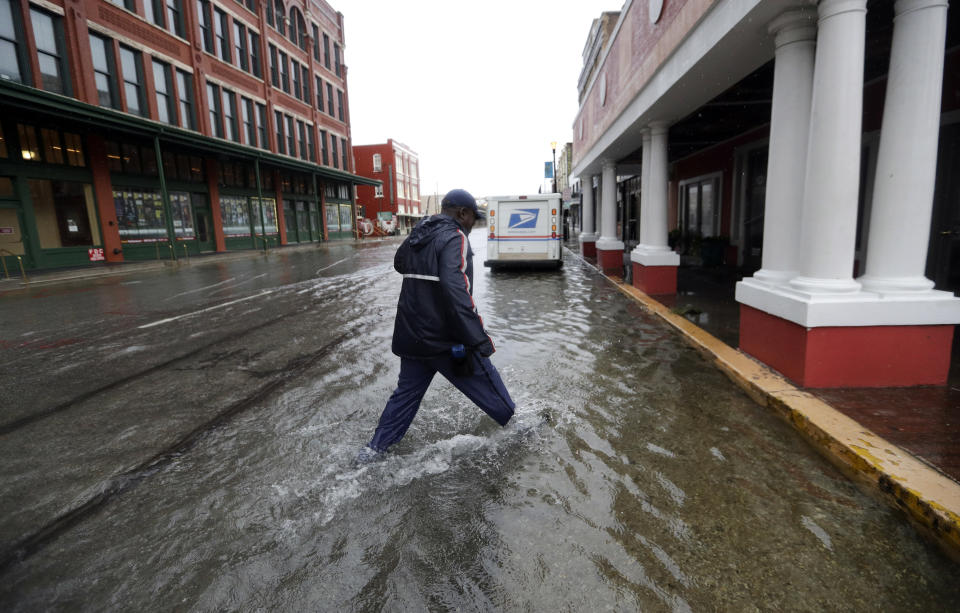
(634, 477)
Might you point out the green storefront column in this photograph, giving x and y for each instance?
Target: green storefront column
(165, 196)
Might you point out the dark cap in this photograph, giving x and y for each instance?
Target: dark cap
(461, 198)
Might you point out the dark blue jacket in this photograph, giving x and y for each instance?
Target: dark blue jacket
(436, 309)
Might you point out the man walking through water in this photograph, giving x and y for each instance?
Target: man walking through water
(438, 328)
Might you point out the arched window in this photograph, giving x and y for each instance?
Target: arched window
(281, 17)
(298, 28)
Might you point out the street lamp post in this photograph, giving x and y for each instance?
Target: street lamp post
(553, 146)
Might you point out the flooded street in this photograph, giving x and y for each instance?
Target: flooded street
(183, 441)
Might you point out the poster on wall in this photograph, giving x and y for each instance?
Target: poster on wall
(182, 216)
(268, 207)
(139, 216)
(235, 214)
(346, 221)
(333, 218)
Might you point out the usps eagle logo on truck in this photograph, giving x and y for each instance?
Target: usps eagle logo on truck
(523, 219)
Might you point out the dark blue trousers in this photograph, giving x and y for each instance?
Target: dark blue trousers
(484, 388)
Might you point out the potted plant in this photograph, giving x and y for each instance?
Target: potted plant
(712, 249)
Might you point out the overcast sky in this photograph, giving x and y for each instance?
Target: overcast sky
(477, 89)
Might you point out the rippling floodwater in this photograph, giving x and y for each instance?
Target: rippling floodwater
(635, 476)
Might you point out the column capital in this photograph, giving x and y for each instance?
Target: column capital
(832, 8)
(608, 165)
(658, 128)
(793, 26)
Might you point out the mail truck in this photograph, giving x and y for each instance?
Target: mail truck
(524, 231)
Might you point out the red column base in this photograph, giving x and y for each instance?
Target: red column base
(610, 259)
(855, 356)
(589, 249)
(655, 280)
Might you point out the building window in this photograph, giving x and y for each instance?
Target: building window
(12, 60)
(326, 50)
(319, 82)
(278, 126)
(284, 72)
(377, 163)
(240, 42)
(64, 211)
(132, 70)
(311, 145)
(164, 13)
(48, 36)
(333, 150)
(230, 115)
(185, 93)
(281, 17)
(249, 127)
(104, 71)
(378, 191)
(340, 105)
(262, 126)
(163, 86)
(291, 136)
(302, 132)
(316, 42)
(213, 102)
(297, 20)
(307, 95)
(223, 39)
(295, 71)
(274, 70)
(323, 147)
(700, 206)
(130, 5)
(330, 100)
(336, 59)
(255, 54)
(174, 17)
(343, 152)
(250, 4)
(205, 21)
(270, 19)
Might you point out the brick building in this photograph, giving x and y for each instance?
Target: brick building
(141, 129)
(397, 167)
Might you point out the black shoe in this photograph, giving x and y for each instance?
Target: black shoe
(367, 455)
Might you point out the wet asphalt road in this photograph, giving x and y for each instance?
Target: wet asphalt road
(181, 440)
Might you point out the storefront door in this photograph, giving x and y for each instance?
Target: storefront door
(943, 258)
(12, 241)
(205, 238)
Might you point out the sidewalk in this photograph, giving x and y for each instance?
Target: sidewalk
(901, 444)
(60, 275)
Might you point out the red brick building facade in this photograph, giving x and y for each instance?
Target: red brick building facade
(398, 167)
(139, 129)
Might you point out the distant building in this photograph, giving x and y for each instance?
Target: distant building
(398, 168)
(600, 32)
(430, 205)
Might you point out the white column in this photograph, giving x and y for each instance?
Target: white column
(794, 35)
(588, 234)
(907, 158)
(832, 179)
(608, 241)
(644, 187)
(653, 249)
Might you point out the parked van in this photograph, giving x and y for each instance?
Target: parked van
(524, 231)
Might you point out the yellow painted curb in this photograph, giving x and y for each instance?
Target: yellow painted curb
(930, 499)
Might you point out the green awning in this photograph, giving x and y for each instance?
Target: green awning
(62, 107)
